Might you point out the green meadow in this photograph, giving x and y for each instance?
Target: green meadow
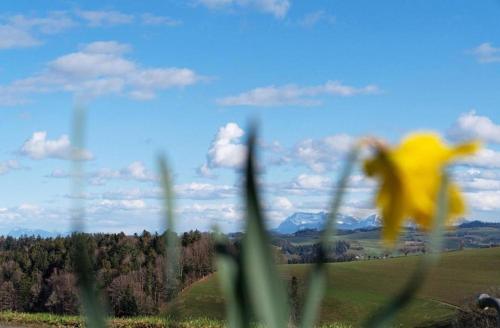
(355, 290)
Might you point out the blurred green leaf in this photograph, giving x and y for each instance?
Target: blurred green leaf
(317, 277)
(267, 291)
(94, 311)
(172, 247)
(232, 284)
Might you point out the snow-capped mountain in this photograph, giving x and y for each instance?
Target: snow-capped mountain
(302, 221)
(19, 232)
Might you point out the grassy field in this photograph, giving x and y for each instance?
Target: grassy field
(358, 288)
(45, 320)
(16, 319)
(355, 290)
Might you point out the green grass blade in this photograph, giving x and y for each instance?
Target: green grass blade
(232, 285)
(94, 311)
(172, 248)
(95, 315)
(268, 294)
(314, 296)
(386, 314)
(317, 277)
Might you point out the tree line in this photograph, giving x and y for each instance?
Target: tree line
(37, 274)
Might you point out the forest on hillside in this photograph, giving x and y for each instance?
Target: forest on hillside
(37, 275)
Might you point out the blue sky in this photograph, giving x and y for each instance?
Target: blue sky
(187, 77)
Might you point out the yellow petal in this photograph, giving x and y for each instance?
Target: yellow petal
(467, 148)
(456, 204)
(410, 176)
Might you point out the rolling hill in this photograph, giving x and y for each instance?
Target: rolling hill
(358, 288)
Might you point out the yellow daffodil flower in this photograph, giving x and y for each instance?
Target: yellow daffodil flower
(410, 176)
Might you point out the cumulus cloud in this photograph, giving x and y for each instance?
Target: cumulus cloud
(477, 179)
(278, 8)
(9, 165)
(313, 185)
(226, 150)
(282, 203)
(322, 154)
(150, 19)
(11, 37)
(107, 205)
(312, 181)
(485, 158)
(105, 18)
(213, 212)
(38, 146)
(473, 126)
(29, 213)
(291, 94)
(193, 191)
(484, 200)
(196, 190)
(97, 69)
(135, 171)
(486, 53)
(21, 31)
(316, 17)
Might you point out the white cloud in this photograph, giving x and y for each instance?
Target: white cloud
(105, 18)
(136, 171)
(28, 214)
(150, 19)
(197, 190)
(472, 126)
(21, 31)
(58, 174)
(291, 94)
(213, 212)
(323, 154)
(106, 47)
(9, 165)
(313, 18)
(55, 22)
(192, 191)
(12, 37)
(314, 181)
(485, 158)
(481, 184)
(226, 150)
(282, 203)
(486, 53)
(477, 179)
(107, 205)
(39, 147)
(277, 8)
(484, 200)
(98, 69)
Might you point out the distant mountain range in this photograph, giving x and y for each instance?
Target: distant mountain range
(479, 224)
(315, 221)
(19, 232)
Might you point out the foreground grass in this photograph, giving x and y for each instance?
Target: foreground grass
(66, 321)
